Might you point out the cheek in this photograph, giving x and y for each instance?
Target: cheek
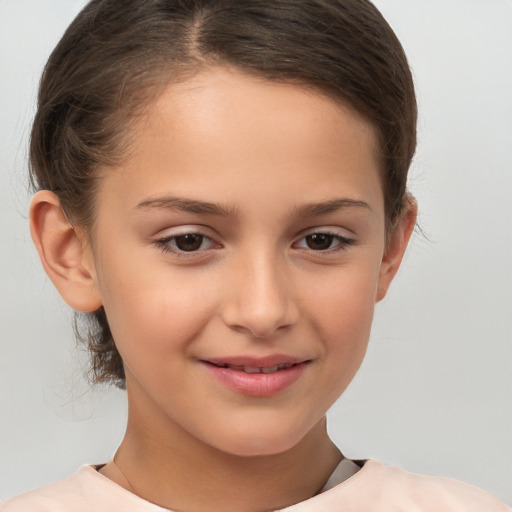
(344, 312)
(346, 298)
(155, 312)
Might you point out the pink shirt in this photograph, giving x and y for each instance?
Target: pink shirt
(375, 487)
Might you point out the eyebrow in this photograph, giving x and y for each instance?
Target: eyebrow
(207, 208)
(187, 205)
(333, 205)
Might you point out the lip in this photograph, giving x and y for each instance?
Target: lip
(264, 380)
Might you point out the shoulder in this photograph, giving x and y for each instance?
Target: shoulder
(83, 491)
(425, 493)
(387, 488)
(53, 497)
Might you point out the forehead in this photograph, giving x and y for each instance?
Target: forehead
(217, 99)
(224, 130)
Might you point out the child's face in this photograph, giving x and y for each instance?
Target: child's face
(246, 228)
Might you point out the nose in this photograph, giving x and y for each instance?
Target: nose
(260, 299)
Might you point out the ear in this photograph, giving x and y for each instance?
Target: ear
(62, 251)
(396, 244)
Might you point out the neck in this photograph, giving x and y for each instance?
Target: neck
(177, 471)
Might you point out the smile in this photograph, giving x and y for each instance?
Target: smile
(256, 369)
(256, 377)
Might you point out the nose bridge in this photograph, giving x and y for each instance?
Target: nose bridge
(261, 301)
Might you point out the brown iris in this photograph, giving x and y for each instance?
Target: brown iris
(319, 241)
(189, 242)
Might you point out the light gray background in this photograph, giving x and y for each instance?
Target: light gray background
(435, 392)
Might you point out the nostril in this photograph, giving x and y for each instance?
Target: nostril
(259, 332)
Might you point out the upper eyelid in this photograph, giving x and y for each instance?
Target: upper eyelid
(212, 234)
(192, 229)
(165, 236)
(328, 230)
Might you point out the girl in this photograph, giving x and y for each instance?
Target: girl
(222, 188)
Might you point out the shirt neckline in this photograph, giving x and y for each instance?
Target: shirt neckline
(335, 482)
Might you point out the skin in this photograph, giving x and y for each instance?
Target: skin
(263, 153)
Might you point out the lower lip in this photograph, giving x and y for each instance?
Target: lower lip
(256, 384)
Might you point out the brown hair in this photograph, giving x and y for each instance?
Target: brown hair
(117, 54)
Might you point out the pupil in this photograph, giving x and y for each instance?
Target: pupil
(189, 242)
(319, 241)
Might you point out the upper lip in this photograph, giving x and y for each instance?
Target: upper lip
(256, 362)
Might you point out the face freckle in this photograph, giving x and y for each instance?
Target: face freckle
(219, 303)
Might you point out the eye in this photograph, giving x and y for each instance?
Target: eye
(190, 242)
(324, 242)
(185, 243)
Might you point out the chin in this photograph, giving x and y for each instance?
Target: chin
(264, 442)
(253, 448)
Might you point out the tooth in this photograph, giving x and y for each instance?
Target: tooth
(271, 369)
(251, 369)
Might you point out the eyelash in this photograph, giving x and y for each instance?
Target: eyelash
(342, 242)
(164, 243)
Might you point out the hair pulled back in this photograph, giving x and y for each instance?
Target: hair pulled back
(119, 54)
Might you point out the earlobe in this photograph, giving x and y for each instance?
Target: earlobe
(395, 247)
(61, 250)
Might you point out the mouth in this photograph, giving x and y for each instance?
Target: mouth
(255, 369)
(257, 377)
